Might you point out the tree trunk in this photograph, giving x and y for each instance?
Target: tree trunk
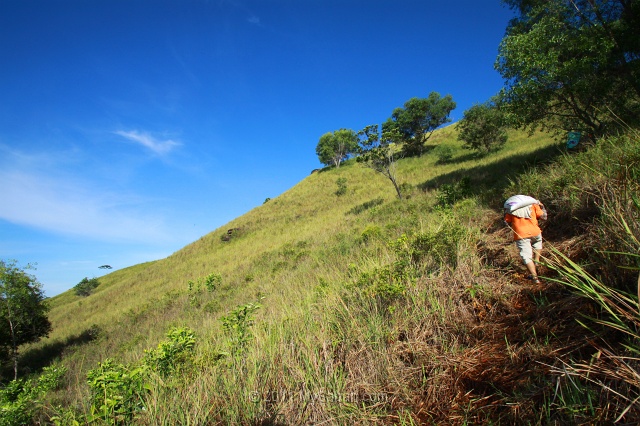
(14, 348)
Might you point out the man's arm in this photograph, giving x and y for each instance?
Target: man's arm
(508, 219)
(542, 212)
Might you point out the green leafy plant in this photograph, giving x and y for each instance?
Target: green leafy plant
(172, 353)
(20, 399)
(117, 392)
(335, 147)
(416, 121)
(386, 283)
(450, 193)
(439, 247)
(483, 128)
(237, 326)
(342, 186)
(378, 152)
(23, 311)
(444, 153)
(211, 282)
(370, 233)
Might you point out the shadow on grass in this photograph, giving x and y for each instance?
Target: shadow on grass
(34, 360)
(490, 180)
(465, 157)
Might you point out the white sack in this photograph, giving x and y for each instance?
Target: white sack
(519, 201)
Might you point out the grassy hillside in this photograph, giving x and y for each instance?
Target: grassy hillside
(354, 308)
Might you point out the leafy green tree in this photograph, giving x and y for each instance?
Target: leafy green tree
(378, 152)
(483, 128)
(85, 287)
(418, 119)
(23, 311)
(335, 147)
(572, 65)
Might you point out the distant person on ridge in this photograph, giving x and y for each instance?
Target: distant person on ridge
(521, 213)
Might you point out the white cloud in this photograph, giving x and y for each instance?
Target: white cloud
(66, 207)
(159, 147)
(41, 192)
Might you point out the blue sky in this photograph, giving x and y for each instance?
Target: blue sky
(130, 128)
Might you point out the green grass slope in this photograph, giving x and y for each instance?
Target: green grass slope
(338, 309)
(309, 218)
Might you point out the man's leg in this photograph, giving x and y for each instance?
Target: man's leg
(531, 267)
(536, 245)
(527, 254)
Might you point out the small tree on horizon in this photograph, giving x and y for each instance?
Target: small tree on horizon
(23, 311)
(377, 152)
(418, 119)
(335, 147)
(483, 128)
(85, 287)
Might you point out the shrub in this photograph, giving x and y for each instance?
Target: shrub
(211, 282)
(440, 247)
(370, 233)
(342, 186)
(444, 153)
(85, 287)
(483, 128)
(449, 193)
(385, 284)
(236, 325)
(20, 399)
(117, 392)
(172, 353)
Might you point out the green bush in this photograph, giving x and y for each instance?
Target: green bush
(385, 284)
(342, 186)
(20, 399)
(211, 282)
(85, 287)
(450, 193)
(237, 326)
(172, 353)
(444, 153)
(370, 233)
(117, 392)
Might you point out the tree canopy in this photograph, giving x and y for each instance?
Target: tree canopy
(335, 147)
(86, 286)
(483, 128)
(572, 64)
(417, 120)
(23, 310)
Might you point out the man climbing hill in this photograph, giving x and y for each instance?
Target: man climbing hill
(521, 215)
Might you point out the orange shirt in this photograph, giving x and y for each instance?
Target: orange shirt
(523, 227)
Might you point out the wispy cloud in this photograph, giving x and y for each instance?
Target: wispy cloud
(38, 195)
(159, 147)
(253, 19)
(68, 208)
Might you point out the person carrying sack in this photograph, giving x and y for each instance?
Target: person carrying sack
(521, 213)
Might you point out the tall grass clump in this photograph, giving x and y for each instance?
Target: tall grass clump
(614, 368)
